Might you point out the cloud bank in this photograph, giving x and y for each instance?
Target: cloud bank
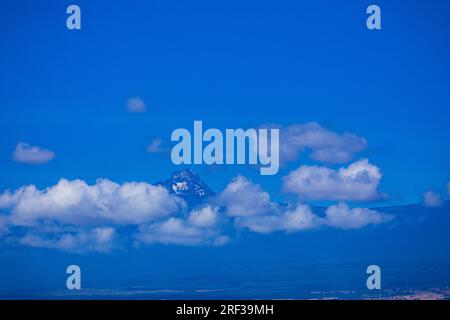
(77, 203)
(258, 214)
(77, 216)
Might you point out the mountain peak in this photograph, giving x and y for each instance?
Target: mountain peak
(188, 185)
(185, 174)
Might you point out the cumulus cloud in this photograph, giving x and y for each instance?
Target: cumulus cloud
(26, 153)
(76, 202)
(285, 219)
(431, 199)
(250, 207)
(172, 231)
(199, 228)
(325, 145)
(357, 182)
(342, 217)
(244, 198)
(204, 217)
(136, 105)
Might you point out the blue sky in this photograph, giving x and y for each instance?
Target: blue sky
(237, 64)
(233, 64)
(311, 66)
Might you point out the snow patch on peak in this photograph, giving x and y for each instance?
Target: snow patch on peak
(180, 186)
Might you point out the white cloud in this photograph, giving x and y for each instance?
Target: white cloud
(155, 146)
(204, 217)
(26, 153)
(136, 105)
(97, 239)
(342, 217)
(200, 227)
(357, 182)
(326, 146)
(75, 202)
(243, 198)
(286, 219)
(431, 199)
(251, 208)
(103, 235)
(181, 232)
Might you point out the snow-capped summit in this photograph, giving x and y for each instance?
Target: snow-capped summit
(188, 185)
(180, 186)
